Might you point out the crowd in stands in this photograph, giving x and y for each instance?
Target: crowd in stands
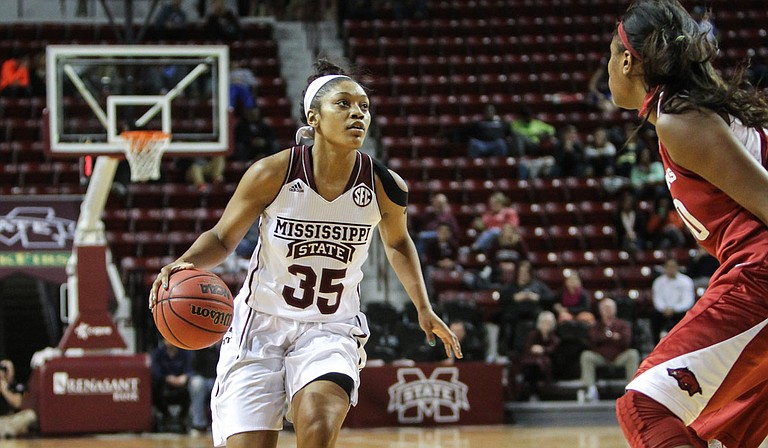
(532, 315)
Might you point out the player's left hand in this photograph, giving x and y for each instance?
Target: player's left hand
(434, 326)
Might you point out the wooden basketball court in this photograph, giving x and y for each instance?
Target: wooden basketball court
(447, 437)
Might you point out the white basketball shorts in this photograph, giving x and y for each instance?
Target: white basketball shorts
(266, 359)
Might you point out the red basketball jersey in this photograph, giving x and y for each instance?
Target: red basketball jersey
(726, 229)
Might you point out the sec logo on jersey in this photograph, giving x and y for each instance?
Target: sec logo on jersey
(362, 195)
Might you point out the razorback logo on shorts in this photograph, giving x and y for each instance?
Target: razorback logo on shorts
(686, 380)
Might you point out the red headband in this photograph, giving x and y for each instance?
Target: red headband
(625, 42)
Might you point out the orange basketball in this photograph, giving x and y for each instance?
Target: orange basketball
(195, 311)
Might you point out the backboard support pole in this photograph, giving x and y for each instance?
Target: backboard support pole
(91, 327)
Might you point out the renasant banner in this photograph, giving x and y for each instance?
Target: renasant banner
(36, 234)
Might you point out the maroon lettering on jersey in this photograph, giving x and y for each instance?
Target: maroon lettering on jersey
(686, 380)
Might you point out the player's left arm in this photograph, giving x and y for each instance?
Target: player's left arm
(702, 142)
(402, 255)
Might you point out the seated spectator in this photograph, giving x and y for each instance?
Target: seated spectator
(171, 370)
(704, 18)
(254, 138)
(507, 251)
(222, 23)
(536, 361)
(599, 153)
(610, 345)
(488, 136)
(15, 420)
(521, 300)
(530, 131)
(489, 224)
(569, 153)
(15, 77)
(242, 82)
(573, 302)
(614, 184)
(499, 262)
(599, 94)
(440, 253)
(438, 212)
(204, 170)
(701, 267)
(200, 386)
(673, 296)
(647, 176)
(248, 244)
(665, 227)
(630, 147)
(171, 21)
(630, 224)
(471, 340)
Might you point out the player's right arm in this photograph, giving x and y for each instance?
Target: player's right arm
(257, 189)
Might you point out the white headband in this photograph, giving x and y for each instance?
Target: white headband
(315, 87)
(307, 133)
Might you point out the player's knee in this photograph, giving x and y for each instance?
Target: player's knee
(648, 424)
(318, 416)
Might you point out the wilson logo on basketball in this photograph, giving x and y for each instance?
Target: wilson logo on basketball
(207, 288)
(218, 317)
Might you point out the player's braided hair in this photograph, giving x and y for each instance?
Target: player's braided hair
(324, 67)
(677, 54)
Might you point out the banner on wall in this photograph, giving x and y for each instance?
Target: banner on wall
(36, 235)
(466, 393)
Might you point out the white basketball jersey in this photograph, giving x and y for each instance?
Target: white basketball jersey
(308, 263)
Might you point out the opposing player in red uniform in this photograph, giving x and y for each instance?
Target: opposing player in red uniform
(708, 378)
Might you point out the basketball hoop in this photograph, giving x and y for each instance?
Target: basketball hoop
(144, 150)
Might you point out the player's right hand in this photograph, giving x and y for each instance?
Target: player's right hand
(162, 278)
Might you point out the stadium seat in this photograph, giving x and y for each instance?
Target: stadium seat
(635, 277)
(439, 168)
(536, 239)
(599, 237)
(405, 85)
(436, 85)
(399, 65)
(578, 258)
(431, 65)
(564, 237)
(562, 213)
(614, 257)
(397, 147)
(597, 212)
(545, 259)
(598, 277)
(415, 104)
(471, 168)
(407, 168)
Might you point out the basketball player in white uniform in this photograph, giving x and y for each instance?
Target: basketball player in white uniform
(295, 346)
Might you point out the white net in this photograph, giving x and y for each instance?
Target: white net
(144, 151)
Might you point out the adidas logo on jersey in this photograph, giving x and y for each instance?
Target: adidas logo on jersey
(296, 188)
